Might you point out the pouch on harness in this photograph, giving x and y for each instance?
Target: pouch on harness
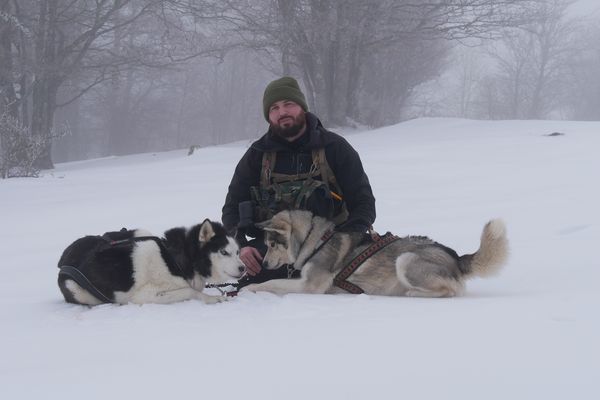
(102, 247)
(279, 192)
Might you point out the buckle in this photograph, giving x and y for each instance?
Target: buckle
(290, 270)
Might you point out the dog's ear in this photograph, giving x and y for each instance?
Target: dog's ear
(263, 225)
(206, 231)
(267, 227)
(280, 231)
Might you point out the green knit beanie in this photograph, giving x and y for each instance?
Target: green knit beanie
(285, 88)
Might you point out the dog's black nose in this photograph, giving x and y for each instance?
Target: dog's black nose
(242, 268)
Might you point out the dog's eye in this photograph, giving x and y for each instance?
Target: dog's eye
(223, 252)
(273, 244)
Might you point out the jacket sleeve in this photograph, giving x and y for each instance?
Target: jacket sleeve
(353, 181)
(246, 175)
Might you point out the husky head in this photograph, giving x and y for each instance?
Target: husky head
(215, 255)
(284, 235)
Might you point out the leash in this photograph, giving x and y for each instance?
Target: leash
(341, 279)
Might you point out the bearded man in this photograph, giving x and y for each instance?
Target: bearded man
(297, 164)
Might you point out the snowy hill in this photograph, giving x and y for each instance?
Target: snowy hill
(531, 332)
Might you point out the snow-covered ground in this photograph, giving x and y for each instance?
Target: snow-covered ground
(531, 332)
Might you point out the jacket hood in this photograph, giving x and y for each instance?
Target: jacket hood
(313, 138)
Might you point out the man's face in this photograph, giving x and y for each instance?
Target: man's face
(287, 119)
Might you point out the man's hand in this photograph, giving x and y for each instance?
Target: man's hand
(251, 259)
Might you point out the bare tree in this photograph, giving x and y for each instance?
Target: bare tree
(55, 38)
(330, 44)
(390, 78)
(470, 71)
(583, 89)
(55, 51)
(532, 61)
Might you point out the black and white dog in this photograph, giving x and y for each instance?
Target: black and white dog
(135, 267)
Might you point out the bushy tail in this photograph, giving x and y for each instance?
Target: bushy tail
(492, 253)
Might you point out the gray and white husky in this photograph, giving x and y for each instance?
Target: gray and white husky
(411, 266)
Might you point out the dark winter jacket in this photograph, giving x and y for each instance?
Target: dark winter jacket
(296, 158)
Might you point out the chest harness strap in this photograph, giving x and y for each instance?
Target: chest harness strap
(341, 279)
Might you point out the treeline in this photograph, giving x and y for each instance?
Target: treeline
(545, 68)
(82, 79)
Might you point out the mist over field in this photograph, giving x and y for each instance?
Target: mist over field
(84, 79)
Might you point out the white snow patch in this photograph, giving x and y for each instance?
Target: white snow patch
(530, 332)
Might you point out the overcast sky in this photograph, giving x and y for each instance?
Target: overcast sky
(586, 6)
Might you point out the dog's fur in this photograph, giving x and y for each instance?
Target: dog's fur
(412, 266)
(140, 271)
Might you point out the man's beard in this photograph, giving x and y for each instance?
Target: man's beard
(291, 130)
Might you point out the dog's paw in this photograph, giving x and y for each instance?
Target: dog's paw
(207, 299)
(255, 287)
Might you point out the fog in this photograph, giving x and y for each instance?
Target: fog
(89, 79)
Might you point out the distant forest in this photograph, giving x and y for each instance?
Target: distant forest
(85, 79)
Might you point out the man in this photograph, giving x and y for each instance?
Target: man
(296, 164)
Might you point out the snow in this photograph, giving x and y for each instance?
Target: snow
(531, 332)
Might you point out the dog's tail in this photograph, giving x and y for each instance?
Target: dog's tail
(492, 253)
